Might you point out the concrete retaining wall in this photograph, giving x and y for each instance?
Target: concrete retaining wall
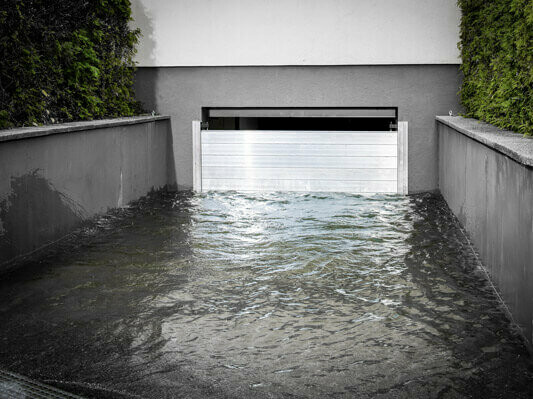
(486, 176)
(54, 177)
(419, 91)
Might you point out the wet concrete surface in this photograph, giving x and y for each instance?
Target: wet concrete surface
(33, 212)
(492, 195)
(54, 178)
(227, 295)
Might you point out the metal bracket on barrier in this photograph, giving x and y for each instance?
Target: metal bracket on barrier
(197, 155)
(403, 158)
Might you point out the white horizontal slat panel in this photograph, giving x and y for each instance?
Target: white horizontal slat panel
(375, 150)
(300, 185)
(299, 162)
(299, 173)
(297, 137)
(359, 162)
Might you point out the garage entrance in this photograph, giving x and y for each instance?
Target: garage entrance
(364, 151)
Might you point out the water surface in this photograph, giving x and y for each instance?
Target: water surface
(264, 295)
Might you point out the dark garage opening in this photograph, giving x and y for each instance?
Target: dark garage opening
(334, 119)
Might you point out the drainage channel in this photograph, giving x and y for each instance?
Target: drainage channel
(19, 387)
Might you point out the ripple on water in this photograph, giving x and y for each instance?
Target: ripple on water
(274, 295)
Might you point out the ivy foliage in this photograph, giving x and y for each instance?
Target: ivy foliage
(65, 60)
(497, 52)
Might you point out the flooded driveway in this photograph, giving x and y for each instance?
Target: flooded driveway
(281, 295)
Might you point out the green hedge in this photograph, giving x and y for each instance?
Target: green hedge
(65, 60)
(497, 52)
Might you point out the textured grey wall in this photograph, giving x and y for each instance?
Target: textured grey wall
(419, 91)
(50, 184)
(492, 196)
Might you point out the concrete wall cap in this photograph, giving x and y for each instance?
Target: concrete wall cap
(514, 145)
(37, 131)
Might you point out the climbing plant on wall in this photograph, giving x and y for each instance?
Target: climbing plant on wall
(497, 52)
(65, 60)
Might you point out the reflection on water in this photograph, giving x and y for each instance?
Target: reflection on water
(267, 295)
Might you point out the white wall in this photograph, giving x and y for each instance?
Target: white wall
(296, 32)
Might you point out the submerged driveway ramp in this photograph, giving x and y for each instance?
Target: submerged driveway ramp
(321, 161)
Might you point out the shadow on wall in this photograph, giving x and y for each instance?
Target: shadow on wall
(145, 83)
(34, 214)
